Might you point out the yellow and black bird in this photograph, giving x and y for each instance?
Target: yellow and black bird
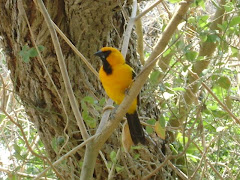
(116, 77)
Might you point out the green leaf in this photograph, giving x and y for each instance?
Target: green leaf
(162, 121)
(89, 99)
(212, 38)
(2, 117)
(234, 52)
(54, 143)
(113, 156)
(136, 156)
(102, 102)
(193, 158)
(17, 152)
(149, 129)
(91, 122)
(119, 169)
(33, 52)
(151, 121)
(200, 3)
(17, 148)
(174, 1)
(160, 130)
(14, 176)
(191, 55)
(81, 163)
(41, 48)
(178, 89)
(167, 52)
(228, 6)
(223, 26)
(26, 53)
(224, 82)
(202, 20)
(235, 21)
(212, 107)
(203, 37)
(191, 20)
(174, 150)
(180, 138)
(154, 77)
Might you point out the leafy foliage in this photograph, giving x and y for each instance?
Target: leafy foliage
(196, 128)
(26, 53)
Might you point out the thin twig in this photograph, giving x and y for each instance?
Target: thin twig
(128, 31)
(73, 151)
(110, 175)
(93, 148)
(139, 32)
(158, 168)
(203, 157)
(75, 49)
(177, 171)
(147, 10)
(21, 8)
(10, 171)
(63, 69)
(194, 75)
(28, 145)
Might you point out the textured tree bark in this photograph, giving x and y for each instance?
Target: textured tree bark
(89, 25)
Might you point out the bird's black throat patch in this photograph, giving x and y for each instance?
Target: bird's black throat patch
(107, 67)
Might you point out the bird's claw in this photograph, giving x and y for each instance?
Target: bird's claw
(108, 107)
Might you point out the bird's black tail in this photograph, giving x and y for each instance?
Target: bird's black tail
(135, 128)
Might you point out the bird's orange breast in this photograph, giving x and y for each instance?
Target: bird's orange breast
(116, 83)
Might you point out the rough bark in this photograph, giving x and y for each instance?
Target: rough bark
(89, 25)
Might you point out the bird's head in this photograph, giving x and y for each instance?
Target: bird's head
(110, 55)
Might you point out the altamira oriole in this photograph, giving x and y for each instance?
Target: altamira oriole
(116, 77)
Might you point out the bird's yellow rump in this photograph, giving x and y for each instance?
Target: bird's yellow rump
(116, 76)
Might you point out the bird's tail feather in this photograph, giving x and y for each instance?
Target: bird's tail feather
(135, 128)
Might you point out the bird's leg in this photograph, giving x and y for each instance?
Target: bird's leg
(108, 107)
(126, 90)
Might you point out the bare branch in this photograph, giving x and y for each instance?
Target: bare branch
(194, 75)
(21, 8)
(75, 49)
(64, 72)
(128, 31)
(139, 32)
(10, 171)
(147, 10)
(102, 136)
(73, 151)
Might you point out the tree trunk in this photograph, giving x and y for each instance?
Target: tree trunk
(89, 25)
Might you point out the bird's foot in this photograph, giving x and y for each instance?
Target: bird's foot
(108, 107)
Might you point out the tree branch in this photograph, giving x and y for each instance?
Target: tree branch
(147, 10)
(73, 151)
(128, 31)
(10, 171)
(75, 49)
(64, 72)
(207, 48)
(104, 134)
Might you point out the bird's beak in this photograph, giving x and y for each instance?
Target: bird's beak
(99, 53)
(102, 54)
